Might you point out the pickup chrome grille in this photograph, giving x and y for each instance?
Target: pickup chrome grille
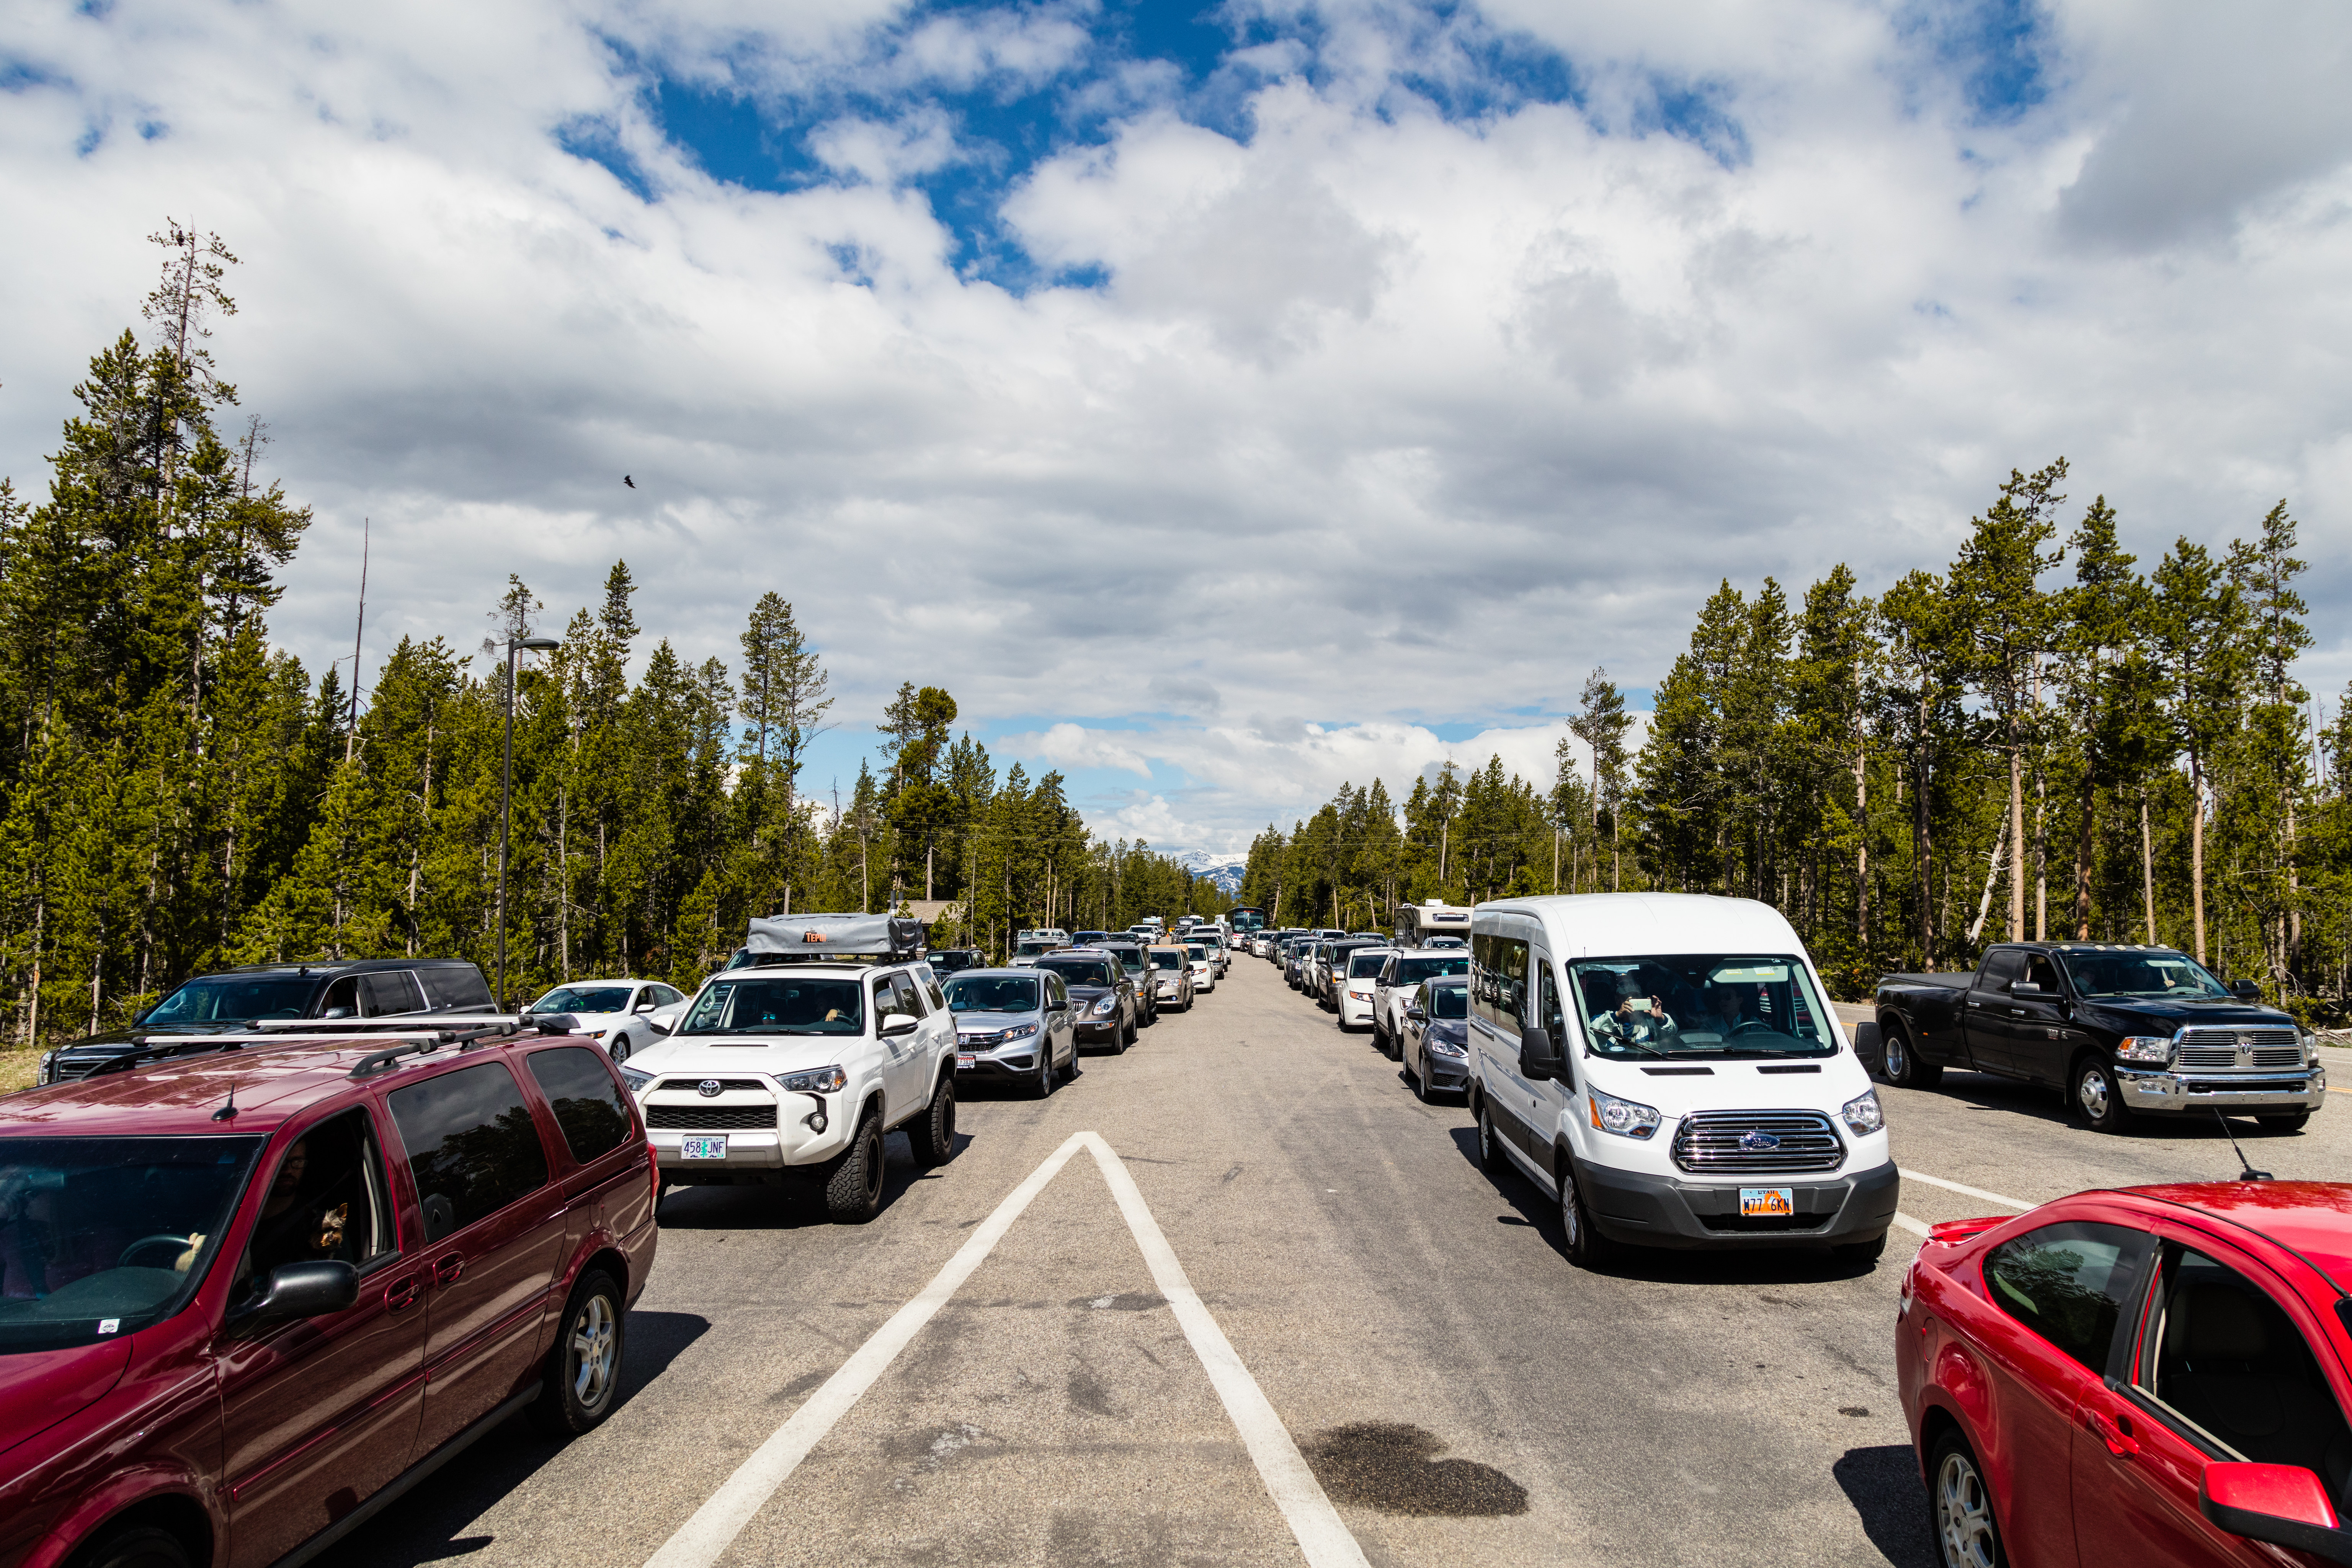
(1736, 1142)
(709, 1117)
(2265, 1049)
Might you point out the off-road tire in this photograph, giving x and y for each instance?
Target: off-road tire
(583, 1366)
(853, 1188)
(1898, 1059)
(932, 1134)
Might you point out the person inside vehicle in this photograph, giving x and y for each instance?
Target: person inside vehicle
(1622, 1015)
(298, 1223)
(1732, 1004)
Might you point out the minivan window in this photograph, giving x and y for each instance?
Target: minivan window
(1719, 1005)
(472, 1145)
(326, 1202)
(586, 1101)
(101, 1236)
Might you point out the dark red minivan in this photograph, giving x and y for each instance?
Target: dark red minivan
(248, 1297)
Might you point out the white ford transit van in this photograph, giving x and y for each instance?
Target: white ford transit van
(1668, 1066)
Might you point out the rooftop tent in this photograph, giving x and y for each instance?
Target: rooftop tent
(824, 935)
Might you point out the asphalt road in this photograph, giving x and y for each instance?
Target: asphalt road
(1460, 1390)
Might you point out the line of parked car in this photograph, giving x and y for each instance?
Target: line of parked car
(2156, 1375)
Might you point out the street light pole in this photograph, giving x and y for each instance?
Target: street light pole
(506, 796)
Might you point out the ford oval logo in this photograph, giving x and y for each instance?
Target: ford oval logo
(1759, 1142)
(708, 1087)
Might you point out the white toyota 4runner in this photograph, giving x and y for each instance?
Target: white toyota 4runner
(829, 1035)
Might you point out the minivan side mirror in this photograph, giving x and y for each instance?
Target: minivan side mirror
(897, 1023)
(2283, 1505)
(305, 1291)
(1537, 1058)
(2245, 991)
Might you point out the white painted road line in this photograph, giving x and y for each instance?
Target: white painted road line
(1907, 1223)
(1312, 1518)
(1313, 1521)
(1957, 1187)
(717, 1523)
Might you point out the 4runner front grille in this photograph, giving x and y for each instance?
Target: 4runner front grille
(1737, 1142)
(709, 1117)
(726, 1085)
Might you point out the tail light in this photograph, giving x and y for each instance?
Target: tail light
(653, 1165)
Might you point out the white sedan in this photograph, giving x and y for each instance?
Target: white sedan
(620, 1013)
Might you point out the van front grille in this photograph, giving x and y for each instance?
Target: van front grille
(1731, 1142)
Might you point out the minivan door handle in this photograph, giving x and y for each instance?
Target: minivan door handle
(445, 1272)
(403, 1292)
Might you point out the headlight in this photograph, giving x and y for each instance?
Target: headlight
(1862, 1113)
(825, 1080)
(1361, 994)
(2310, 1047)
(1448, 1048)
(1625, 1118)
(2147, 1050)
(637, 1081)
(1018, 1032)
(49, 1065)
(1106, 1005)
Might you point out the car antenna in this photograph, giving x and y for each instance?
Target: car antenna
(227, 1113)
(2246, 1173)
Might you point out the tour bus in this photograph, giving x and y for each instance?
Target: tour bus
(1246, 919)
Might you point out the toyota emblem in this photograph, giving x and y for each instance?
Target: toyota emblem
(708, 1087)
(1759, 1142)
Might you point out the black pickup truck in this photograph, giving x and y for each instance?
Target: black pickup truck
(2119, 1030)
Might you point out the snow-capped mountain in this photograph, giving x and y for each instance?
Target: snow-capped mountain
(1224, 872)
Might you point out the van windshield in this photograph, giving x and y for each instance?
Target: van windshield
(1720, 1006)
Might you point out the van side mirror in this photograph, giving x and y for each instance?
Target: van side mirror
(896, 1024)
(2245, 991)
(1537, 1060)
(2283, 1505)
(305, 1291)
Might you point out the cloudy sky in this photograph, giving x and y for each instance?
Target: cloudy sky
(1221, 401)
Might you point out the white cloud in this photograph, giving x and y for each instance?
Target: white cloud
(1381, 419)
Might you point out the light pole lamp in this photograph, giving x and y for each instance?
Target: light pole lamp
(506, 795)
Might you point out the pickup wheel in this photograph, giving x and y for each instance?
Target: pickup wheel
(2098, 1097)
(1899, 1058)
(853, 1189)
(933, 1137)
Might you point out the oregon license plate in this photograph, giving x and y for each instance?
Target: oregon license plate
(1767, 1202)
(702, 1148)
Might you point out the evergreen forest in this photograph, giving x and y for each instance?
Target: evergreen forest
(180, 795)
(2050, 739)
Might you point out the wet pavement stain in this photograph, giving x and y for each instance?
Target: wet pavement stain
(1386, 1465)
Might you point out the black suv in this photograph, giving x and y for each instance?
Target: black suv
(237, 998)
(1102, 995)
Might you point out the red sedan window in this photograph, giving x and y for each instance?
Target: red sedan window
(2068, 1284)
(2225, 1361)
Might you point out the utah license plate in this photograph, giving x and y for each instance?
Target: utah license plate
(702, 1148)
(1767, 1202)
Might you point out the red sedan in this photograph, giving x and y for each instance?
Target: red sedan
(2152, 1376)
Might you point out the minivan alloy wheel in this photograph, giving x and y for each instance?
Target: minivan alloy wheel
(591, 1357)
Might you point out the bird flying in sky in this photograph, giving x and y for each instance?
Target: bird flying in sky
(628, 481)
